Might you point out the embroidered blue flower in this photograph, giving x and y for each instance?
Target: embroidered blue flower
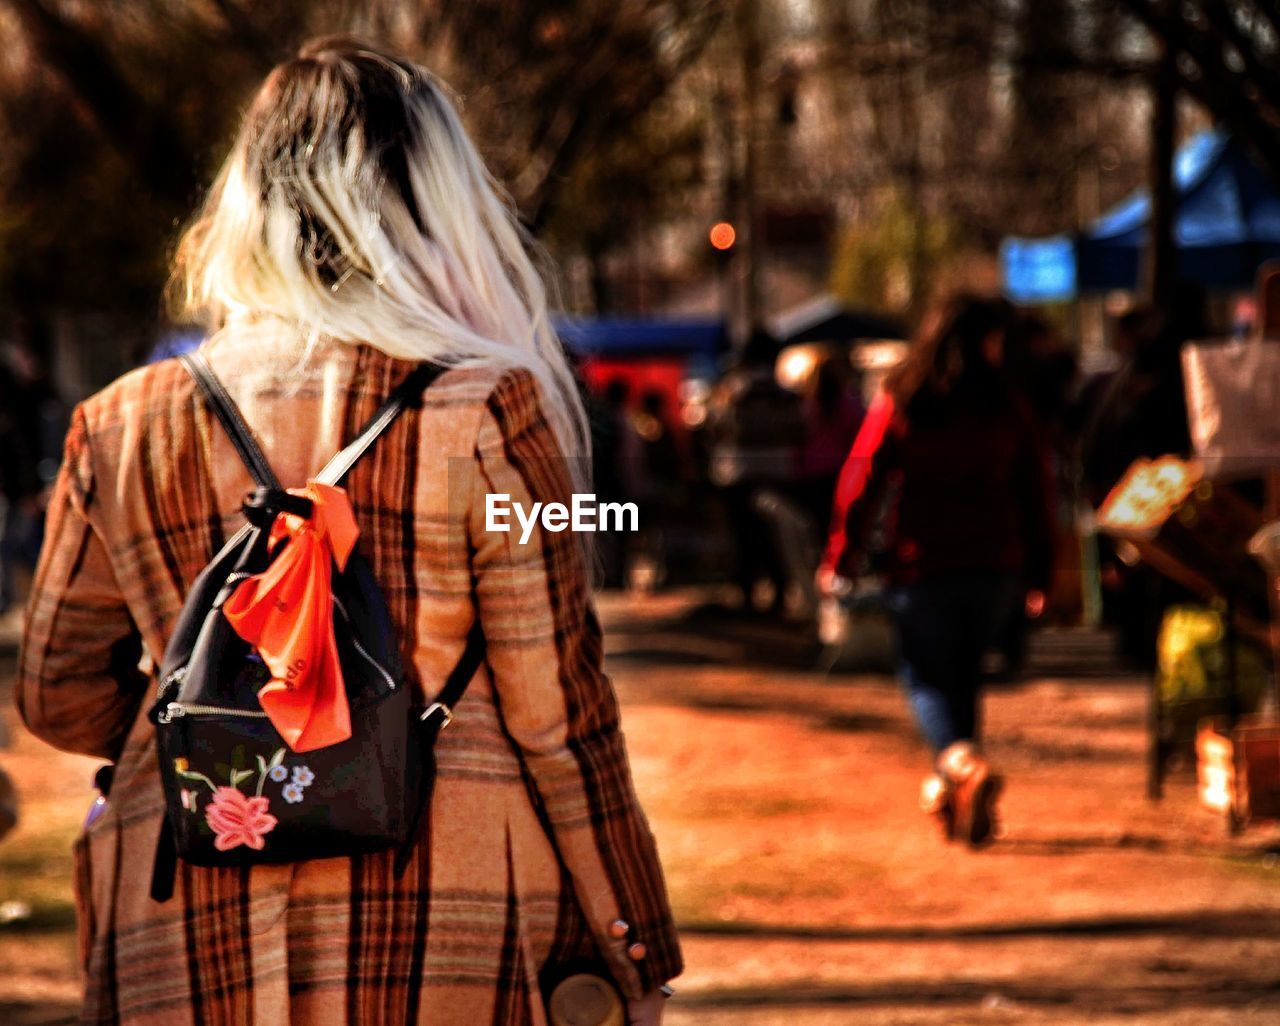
(278, 773)
(292, 793)
(302, 776)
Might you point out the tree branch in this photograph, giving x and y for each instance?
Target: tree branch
(1222, 19)
(589, 121)
(1231, 96)
(121, 113)
(242, 29)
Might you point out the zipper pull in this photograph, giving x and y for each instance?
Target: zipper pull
(172, 711)
(175, 678)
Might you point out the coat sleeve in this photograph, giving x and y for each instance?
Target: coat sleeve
(545, 653)
(859, 487)
(78, 685)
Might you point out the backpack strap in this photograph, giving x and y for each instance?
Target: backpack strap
(408, 391)
(434, 719)
(233, 422)
(455, 685)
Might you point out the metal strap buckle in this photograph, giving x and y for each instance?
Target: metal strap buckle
(433, 707)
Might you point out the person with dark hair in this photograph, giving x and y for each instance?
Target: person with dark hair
(32, 422)
(1044, 370)
(947, 492)
(832, 414)
(757, 428)
(1137, 410)
(615, 470)
(659, 481)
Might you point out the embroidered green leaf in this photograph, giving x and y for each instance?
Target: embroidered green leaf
(238, 776)
(189, 774)
(264, 768)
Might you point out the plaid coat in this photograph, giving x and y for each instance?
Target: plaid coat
(537, 849)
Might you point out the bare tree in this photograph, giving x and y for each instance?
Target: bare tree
(1226, 53)
(120, 110)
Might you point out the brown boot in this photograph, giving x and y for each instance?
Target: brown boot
(975, 791)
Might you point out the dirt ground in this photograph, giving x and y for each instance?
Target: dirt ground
(809, 889)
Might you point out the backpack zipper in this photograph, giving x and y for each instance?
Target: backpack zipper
(176, 710)
(176, 677)
(360, 648)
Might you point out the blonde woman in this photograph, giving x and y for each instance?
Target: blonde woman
(353, 233)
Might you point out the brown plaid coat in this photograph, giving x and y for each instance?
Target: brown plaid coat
(537, 844)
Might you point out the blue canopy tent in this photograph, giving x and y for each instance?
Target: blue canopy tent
(1226, 224)
(702, 337)
(175, 343)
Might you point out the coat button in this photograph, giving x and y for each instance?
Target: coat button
(619, 928)
(637, 951)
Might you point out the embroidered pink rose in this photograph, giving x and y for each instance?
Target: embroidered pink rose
(238, 820)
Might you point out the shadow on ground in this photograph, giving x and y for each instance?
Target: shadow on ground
(23, 1013)
(1089, 996)
(1238, 923)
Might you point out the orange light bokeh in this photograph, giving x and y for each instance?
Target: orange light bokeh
(722, 235)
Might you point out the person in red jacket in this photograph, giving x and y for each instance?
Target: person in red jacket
(947, 493)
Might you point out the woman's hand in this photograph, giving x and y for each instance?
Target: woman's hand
(823, 579)
(1035, 603)
(646, 1011)
(830, 583)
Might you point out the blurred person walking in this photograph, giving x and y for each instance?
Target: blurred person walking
(659, 487)
(1136, 410)
(833, 412)
(32, 422)
(616, 469)
(17, 480)
(756, 429)
(352, 235)
(947, 493)
(1044, 371)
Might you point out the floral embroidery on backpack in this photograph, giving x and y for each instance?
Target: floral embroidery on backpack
(237, 818)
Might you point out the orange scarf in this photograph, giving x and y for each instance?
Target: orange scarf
(286, 613)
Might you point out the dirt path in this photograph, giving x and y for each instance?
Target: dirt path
(812, 892)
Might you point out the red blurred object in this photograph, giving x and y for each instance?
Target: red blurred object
(657, 373)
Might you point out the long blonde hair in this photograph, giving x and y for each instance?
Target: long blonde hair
(354, 206)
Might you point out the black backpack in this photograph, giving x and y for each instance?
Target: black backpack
(235, 793)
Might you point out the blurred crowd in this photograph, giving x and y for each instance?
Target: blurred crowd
(756, 476)
(753, 478)
(736, 477)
